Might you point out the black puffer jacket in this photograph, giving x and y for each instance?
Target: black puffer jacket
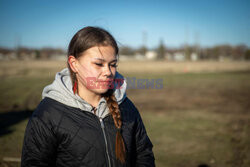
(64, 136)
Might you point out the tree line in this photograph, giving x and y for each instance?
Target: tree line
(239, 52)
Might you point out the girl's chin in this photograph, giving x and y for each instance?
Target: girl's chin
(100, 91)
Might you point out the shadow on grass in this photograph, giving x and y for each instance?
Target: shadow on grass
(10, 118)
(203, 165)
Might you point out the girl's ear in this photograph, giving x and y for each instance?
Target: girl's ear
(73, 63)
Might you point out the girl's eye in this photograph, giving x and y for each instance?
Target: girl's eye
(114, 65)
(98, 64)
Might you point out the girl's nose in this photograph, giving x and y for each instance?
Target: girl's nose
(107, 71)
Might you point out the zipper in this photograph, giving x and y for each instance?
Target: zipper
(103, 131)
(105, 138)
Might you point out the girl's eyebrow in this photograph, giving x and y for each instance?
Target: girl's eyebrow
(103, 60)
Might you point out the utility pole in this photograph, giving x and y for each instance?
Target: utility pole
(17, 45)
(187, 54)
(144, 42)
(197, 44)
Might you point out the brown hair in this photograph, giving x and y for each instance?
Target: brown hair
(84, 39)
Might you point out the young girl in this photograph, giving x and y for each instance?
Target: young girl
(85, 118)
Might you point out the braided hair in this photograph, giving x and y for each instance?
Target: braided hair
(114, 110)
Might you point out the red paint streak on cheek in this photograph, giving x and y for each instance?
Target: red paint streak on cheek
(85, 73)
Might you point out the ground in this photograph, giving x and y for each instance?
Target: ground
(200, 116)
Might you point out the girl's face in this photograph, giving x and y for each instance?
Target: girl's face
(96, 68)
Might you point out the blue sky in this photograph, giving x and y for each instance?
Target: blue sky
(48, 23)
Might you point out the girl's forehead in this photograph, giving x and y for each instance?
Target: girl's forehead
(101, 53)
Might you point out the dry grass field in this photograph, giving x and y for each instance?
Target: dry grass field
(200, 117)
(9, 68)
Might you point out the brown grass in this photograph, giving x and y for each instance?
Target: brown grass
(8, 68)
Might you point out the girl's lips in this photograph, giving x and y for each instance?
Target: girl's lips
(109, 80)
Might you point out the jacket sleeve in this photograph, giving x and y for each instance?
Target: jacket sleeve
(145, 156)
(39, 145)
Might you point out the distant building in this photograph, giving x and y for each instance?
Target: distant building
(151, 55)
(139, 56)
(179, 56)
(194, 56)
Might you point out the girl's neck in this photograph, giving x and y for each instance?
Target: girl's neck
(89, 96)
